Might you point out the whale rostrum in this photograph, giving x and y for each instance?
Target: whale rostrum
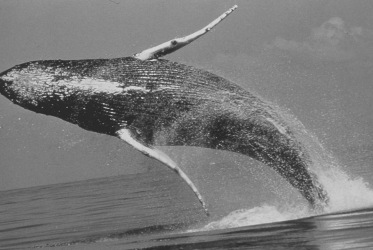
(150, 102)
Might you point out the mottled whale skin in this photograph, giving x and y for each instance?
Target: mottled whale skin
(163, 103)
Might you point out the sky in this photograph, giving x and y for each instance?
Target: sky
(313, 58)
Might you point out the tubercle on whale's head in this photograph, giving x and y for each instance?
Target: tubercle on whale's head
(32, 85)
(6, 85)
(20, 86)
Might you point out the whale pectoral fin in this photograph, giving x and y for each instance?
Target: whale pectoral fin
(126, 135)
(177, 43)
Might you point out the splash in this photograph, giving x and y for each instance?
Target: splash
(345, 193)
(257, 215)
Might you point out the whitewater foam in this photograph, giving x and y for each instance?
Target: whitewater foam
(345, 193)
(257, 215)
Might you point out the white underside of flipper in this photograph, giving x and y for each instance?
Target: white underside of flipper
(125, 135)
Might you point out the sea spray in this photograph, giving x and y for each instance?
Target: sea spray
(345, 193)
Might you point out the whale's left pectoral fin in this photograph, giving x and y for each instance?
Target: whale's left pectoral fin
(127, 136)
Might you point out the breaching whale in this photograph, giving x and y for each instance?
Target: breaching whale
(150, 103)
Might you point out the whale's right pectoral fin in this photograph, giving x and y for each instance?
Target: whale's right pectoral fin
(126, 135)
(177, 43)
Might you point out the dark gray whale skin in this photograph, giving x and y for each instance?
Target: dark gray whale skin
(163, 103)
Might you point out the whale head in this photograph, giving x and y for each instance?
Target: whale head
(25, 86)
(58, 88)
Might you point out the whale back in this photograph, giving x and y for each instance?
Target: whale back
(102, 94)
(162, 103)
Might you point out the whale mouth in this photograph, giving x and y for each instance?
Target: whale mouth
(5, 88)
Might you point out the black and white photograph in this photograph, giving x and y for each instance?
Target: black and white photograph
(186, 124)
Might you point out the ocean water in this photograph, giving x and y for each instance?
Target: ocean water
(92, 211)
(156, 210)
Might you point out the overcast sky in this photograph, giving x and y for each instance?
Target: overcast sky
(311, 57)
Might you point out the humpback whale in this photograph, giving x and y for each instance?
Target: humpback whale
(149, 103)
